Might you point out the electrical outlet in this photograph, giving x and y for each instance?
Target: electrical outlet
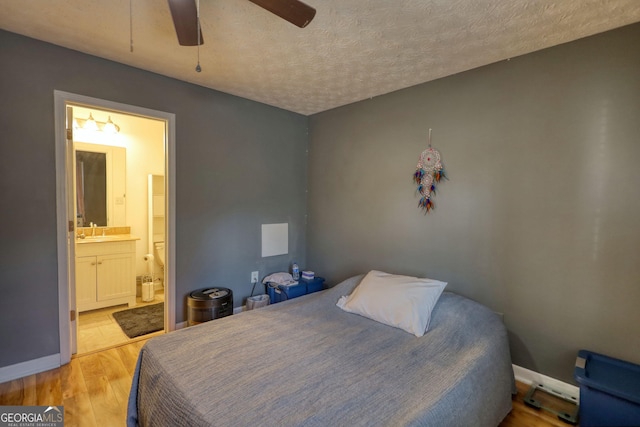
(254, 277)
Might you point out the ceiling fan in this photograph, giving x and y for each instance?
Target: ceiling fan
(185, 16)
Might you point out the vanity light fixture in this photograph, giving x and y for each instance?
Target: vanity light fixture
(110, 127)
(94, 125)
(90, 123)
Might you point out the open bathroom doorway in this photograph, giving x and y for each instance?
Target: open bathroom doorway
(119, 254)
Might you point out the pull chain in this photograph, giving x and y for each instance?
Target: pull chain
(131, 26)
(198, 67)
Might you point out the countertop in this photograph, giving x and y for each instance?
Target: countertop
(107, 238)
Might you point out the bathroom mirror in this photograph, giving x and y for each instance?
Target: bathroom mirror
(91, 188)
(100, 181)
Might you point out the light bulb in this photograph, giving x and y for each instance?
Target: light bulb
(110, 127)
(90, 124)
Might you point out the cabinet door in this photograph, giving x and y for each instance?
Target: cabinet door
(116, 276)
(85, 282)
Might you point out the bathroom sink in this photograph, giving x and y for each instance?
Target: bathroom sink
(96, 239)
(108, 238)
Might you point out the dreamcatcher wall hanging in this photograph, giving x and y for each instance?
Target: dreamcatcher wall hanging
(428, 173)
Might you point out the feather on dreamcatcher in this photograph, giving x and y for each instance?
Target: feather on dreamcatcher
(428, 173)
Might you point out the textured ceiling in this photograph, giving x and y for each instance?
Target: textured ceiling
(352, 50)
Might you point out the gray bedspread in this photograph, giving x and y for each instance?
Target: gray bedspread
(305, 362)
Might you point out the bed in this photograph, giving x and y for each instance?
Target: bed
(306, 362)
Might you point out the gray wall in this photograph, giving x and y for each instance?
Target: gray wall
(239, 164)
(539, 219)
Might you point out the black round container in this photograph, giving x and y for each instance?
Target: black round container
(208, 304)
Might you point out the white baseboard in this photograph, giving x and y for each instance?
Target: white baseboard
(30, 367)
(530, 377)
(239, 309)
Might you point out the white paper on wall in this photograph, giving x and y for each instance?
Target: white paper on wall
(275, 239)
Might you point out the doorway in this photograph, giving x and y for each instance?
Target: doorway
(111, 168)
(107, 249)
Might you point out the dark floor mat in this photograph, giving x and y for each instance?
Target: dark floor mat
(141, 320)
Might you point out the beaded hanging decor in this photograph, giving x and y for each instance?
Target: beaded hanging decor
(428, 173)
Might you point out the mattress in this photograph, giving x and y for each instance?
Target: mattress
(305, 362)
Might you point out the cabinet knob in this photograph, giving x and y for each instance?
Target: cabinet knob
(93, 263)
(99, 262)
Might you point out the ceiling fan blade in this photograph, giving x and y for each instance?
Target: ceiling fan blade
(185, 19)
(294, 11)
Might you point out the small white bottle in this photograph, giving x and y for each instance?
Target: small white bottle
(295, 271)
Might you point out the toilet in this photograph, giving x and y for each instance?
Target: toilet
(159, 249)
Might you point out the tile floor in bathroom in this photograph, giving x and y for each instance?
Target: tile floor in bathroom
(97, 329)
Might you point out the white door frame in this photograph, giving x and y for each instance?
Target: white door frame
(63, 216)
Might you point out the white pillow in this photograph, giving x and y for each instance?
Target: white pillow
(400, 301)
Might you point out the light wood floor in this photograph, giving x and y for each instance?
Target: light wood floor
(523, 416)
(94, 388)
(97, 329)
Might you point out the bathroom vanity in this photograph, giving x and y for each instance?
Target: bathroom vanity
(105, 271)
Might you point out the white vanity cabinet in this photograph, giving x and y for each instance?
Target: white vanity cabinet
(105, 274)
